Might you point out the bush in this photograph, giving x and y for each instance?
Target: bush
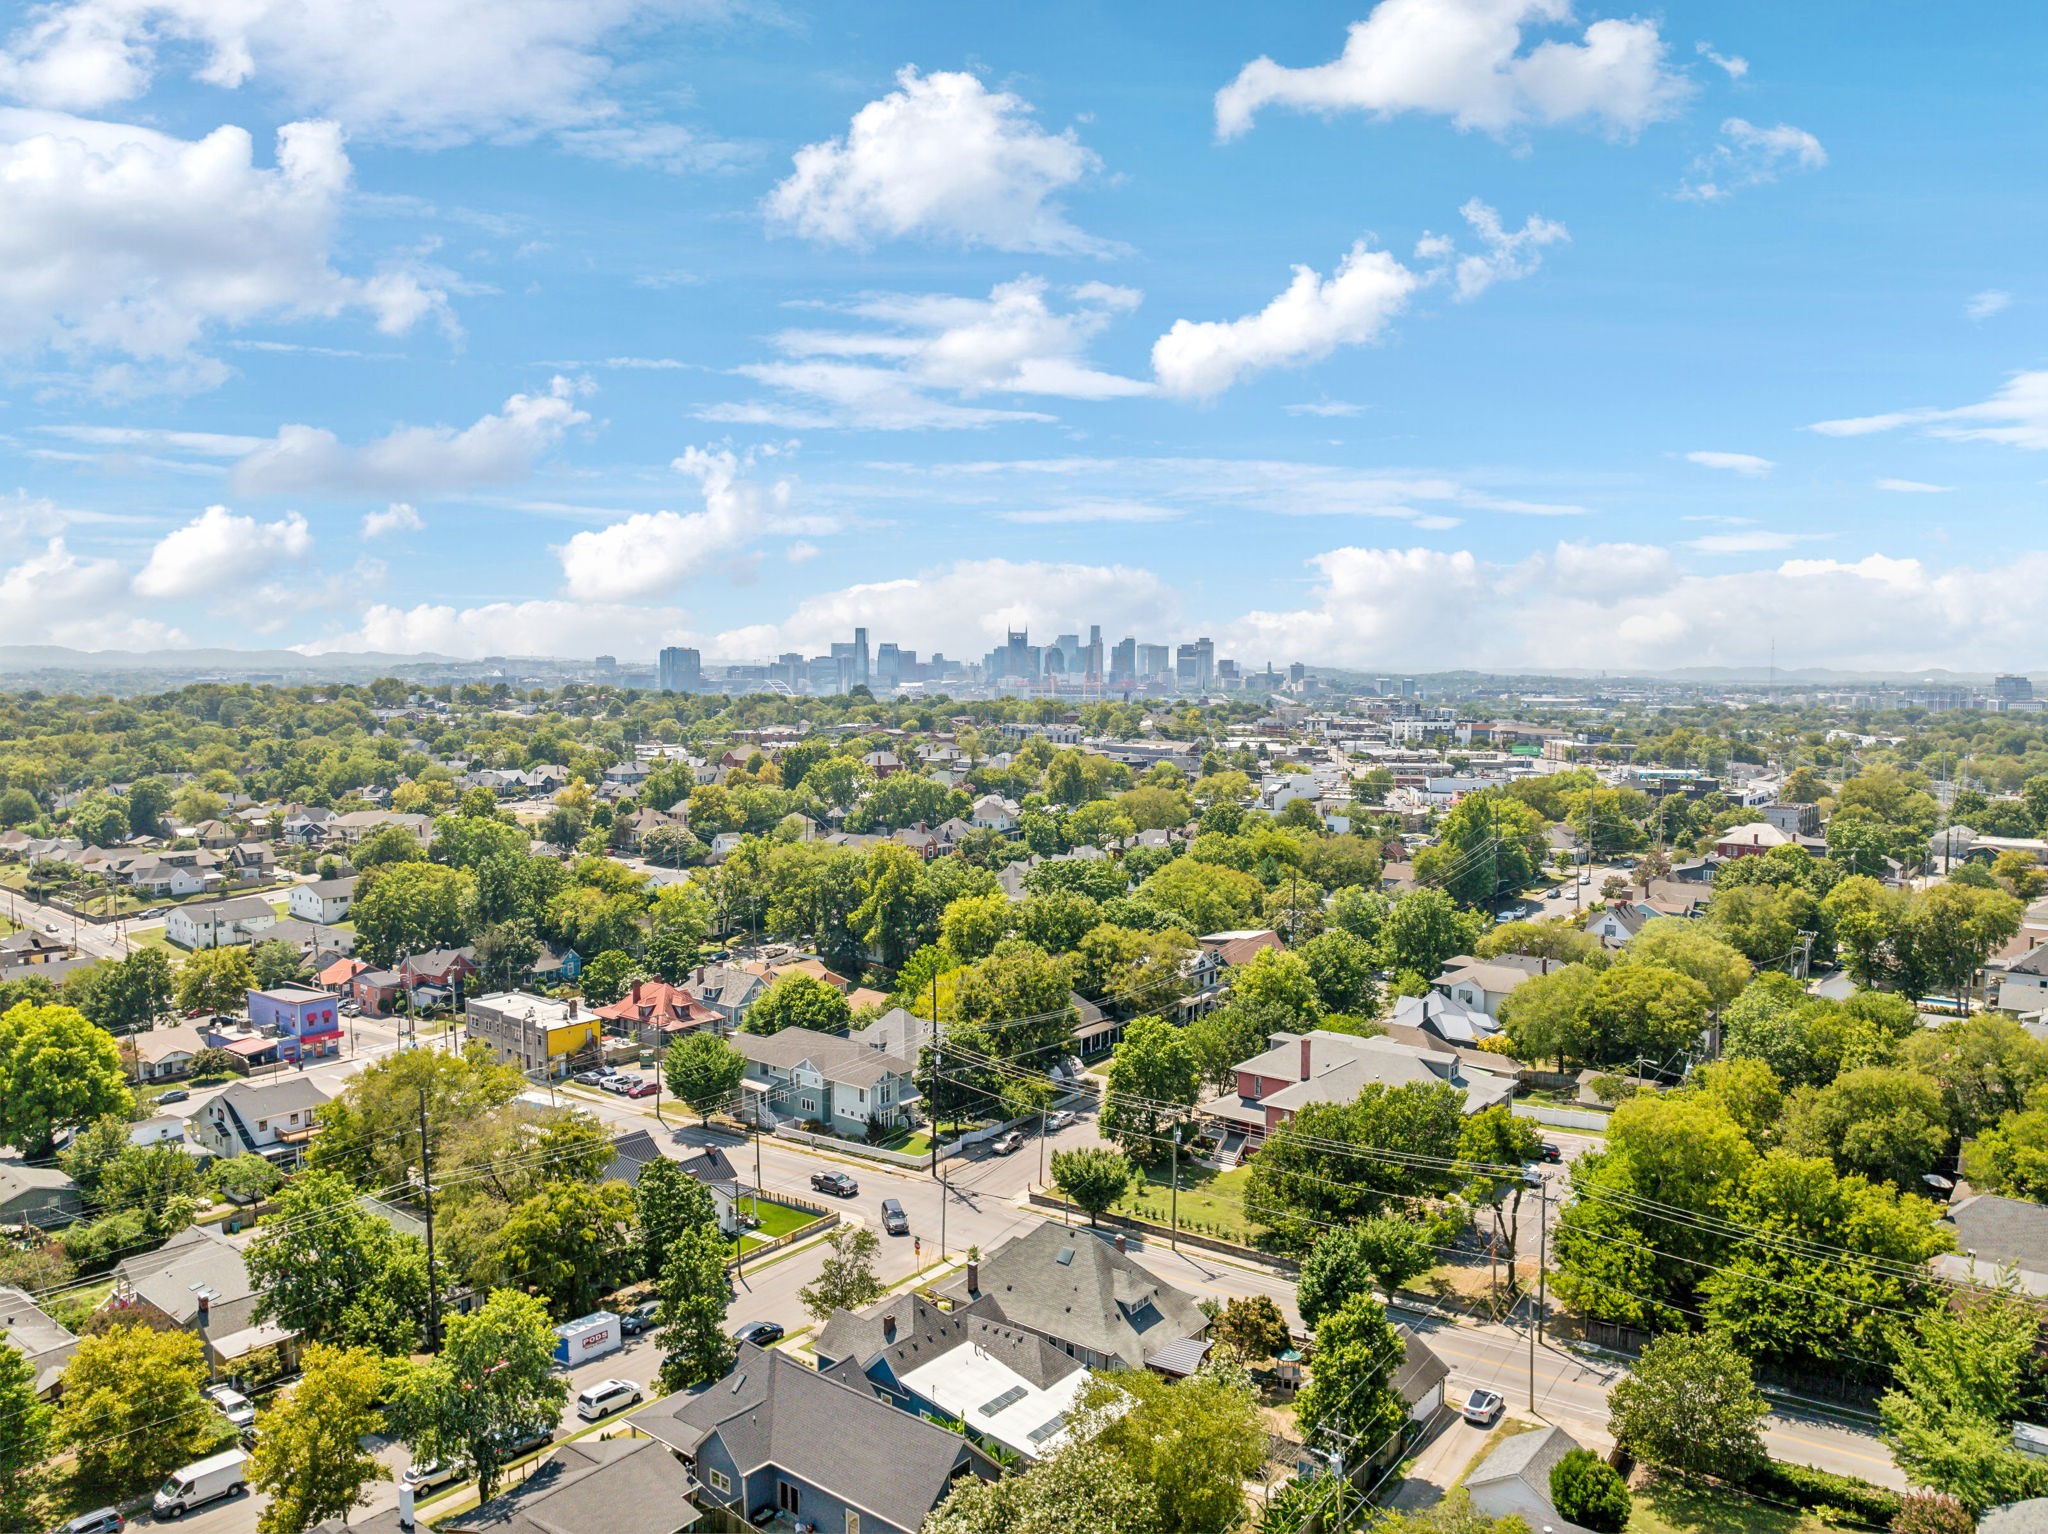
(1585, 1490)
(1822, 1488)
(1929, 1512)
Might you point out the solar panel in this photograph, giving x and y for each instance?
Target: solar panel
(1066, 1256)
(1007, 1399)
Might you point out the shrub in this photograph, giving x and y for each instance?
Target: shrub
(1822, 1488)
(1929, 1512)
(1585, 1490)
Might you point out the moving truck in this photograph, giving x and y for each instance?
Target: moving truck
(590, 1337)
(203, 1481)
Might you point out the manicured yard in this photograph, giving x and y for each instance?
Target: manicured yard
(776, 1220)
(1667, 1507)
(1210, 1200)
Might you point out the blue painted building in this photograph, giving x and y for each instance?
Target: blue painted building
(776, 1435)
(307, 1021)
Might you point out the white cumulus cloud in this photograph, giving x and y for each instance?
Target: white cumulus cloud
(1198, 359)
(1748, 465)
(418, 71)
(1466, 60)
(547, 627)
(398, 517)
(54, 596)
(940, 157)
(218, 551)
(657, 551)
(122, 239)
(1748, 155)
(496, 449)
(2016, 416)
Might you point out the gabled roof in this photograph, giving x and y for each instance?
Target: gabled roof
(1069, 1284)
(593, 1486)
(45, 1342)
(1996, 1229)
(1515, 1478)
(773, 1411)
(630, 1152)
(242, 908)
(171, 1277)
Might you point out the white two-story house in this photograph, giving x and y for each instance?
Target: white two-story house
(845, 1082)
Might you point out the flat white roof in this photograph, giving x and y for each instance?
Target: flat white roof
(966, 1379)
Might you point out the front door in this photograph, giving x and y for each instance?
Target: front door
(786, 1498)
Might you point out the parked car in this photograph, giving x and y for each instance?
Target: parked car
(639, 1319)
(643, 1089)
(433, 1474)
(175, 1095)
(1055, 1122)
(597, 1401)
(233, 1405)
(1482, 1407)
(762, 1334)
(101, 1520)
(839, 1184)
(894, 1220)
(1532, 1173)
(1007, 1144)
(1551, 1151)
(590, 1078)
(515, 1441)
(619, 1084)
(208, 1480)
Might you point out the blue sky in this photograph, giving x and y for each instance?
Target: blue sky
(1490, 332)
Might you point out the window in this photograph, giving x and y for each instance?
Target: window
(852, 1522)
(788, 1499)
(808, 1104)
(720, 1482)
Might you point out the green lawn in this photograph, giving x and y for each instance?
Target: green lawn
(1669, 1507)
(1209, 1200)
(776, 1220)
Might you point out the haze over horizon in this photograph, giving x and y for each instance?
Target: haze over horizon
(1413, 336)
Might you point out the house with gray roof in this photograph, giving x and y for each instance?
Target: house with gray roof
(1009, 1386)
(1076, 1290)
(846, 1081)
(1324, 1067)
(217, 923)
(42, 1196)
(274, 1119)
(198, 1282)
(592, 1486)
(774, 1433)
(44, 1341)
(1514, 1480)
(1995, 1231)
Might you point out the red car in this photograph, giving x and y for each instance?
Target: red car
(642, 1089)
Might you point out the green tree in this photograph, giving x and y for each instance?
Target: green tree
(385, 846)
(848, 1280)
(1384, 1251)
(406, 908)
(974, 924)
(1206, 896)
(1092, 1176)
(1546, 1015)
(1425, 928)
(694, 1289)
(896, 910)
(669, 1202)
(25, 1425)
(326, 1268)
(495, 1376)
(1962, 1372)
(1887, 1125)
(1690, 1404)
(2011, 1157)
(216, 980)
(798, 1000)
(1489, 843)
(1497, 1139)
(1154, 1072)
(310, 1460)
(1350, 1395)
(1344, 969)
(1585, 1490)
(131, 1409)
(1279, 979)
(57, 1071)
(1081, 1485)
(703, 1071)
(1194, 1442)
(276, 963)
(1676, 943)
(1986, 1067)
(371, 1131)
(1643, 1010)
(159, 1183)
(1310, 1172)
(1252, 1328)
(607, 976)
(18, 807)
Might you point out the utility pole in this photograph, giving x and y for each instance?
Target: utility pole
(427, 1189)
(1542, 1288)
(1173, 1240)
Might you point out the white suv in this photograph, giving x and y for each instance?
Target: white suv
(606, 1397)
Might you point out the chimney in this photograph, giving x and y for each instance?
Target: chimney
(889, 1322)
(700, 974)
(1120, 1241)
(205, 1309)
(1305, 1047)
(575, 1006)
(1544, 965)
(974, 1278)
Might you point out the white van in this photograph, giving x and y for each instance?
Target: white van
(204, 1481)
(606, 1397)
